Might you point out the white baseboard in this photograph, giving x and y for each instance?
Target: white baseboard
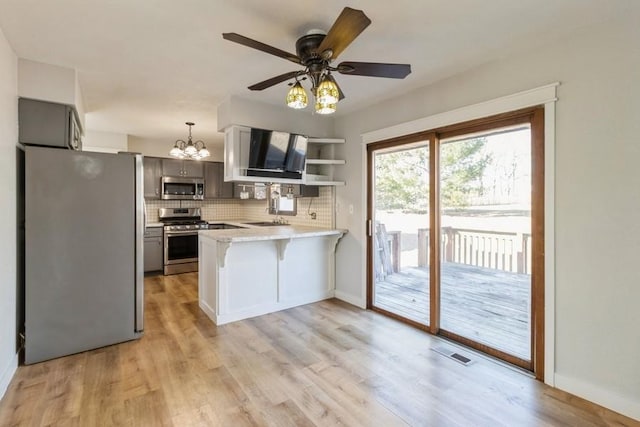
(358, 302)
(261, 309)
(598, 395)
(7, 374)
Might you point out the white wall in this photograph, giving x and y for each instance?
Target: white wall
(245, 112)
(161, 147)
(241, 111)
(104, 142)
(8, 147)
(597, 201)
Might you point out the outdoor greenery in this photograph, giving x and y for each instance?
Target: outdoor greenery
(402, 177)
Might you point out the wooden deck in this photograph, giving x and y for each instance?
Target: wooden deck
(489, 306)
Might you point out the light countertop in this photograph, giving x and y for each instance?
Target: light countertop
(256, 233)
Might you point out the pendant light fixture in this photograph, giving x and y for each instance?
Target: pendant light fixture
(189, 149)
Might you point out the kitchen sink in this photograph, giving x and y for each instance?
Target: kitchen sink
(264, 223)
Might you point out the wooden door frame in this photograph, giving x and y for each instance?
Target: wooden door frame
(534, 117)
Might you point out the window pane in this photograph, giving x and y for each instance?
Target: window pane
(485, 198)
(401, 232)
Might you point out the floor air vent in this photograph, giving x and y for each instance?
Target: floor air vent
(453, 355)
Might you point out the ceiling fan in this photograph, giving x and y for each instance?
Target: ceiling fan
(315, 51)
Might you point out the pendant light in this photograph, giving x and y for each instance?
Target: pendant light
(189, 149)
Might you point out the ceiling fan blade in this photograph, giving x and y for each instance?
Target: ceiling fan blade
(347, 27)
(375, 69)
(274, 80)
(246, 41)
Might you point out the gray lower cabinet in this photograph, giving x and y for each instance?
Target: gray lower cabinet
(153, 247)
(152, 167)
(214, 185)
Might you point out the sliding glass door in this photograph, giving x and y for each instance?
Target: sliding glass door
(456, 233)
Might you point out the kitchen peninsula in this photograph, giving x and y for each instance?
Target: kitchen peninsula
(249, 272)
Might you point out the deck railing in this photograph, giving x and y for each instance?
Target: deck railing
(507, 251)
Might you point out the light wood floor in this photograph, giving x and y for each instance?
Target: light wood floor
(322, 364)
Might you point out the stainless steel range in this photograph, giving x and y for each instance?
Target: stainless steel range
(181, 227)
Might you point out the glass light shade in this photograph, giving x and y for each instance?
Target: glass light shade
(204, 152)
(327, 92)
(325, 108)
(190, 150)
(176, 152)
(297, 97)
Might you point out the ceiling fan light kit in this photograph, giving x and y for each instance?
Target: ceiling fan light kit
(325, 108)
(327, 92)
(189, 149)
(297, 97)
(315, 51)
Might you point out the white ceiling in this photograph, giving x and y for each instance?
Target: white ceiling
(147, 66)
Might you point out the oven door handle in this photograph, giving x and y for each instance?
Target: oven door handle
(181, 233)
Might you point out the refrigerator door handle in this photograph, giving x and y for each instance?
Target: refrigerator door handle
(140, 229)
(144, 210)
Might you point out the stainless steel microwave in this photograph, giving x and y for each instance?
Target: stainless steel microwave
(182, 188)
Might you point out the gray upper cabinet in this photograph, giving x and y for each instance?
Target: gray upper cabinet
(193, 168)
(189, 168)
(48, 124)
(214, 185)
(152, 175)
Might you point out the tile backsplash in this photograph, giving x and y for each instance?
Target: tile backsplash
(211, 209)
(257, 210)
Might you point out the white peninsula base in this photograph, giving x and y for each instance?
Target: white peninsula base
(251, 272)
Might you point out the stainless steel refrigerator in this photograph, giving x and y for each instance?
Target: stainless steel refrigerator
(84, 228)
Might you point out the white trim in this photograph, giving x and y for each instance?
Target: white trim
(604, 397)
(7, 375)
(529, 98)
(363, 225)
(549, 243)
(358, 302)
(260, 310)
(544, 95)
